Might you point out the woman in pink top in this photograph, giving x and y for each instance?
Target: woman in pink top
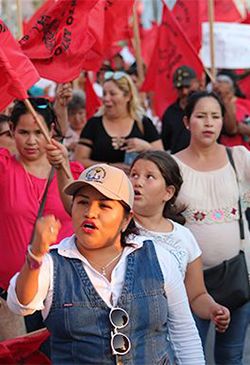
(22, 184)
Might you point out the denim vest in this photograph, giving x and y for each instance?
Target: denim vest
(79, 319)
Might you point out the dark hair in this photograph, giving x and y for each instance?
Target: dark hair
(171, 173)
(43, 107)
(130, 230)
(195, 97)
(4, 118)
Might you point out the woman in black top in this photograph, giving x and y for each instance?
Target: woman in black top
(119, 130)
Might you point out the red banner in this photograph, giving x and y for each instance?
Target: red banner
(148, 41)
(92, 100)
(24, 350)
(108, 24)
(17, 72)
(172, 50)
(224, 11)
(191, 13)
(58, 38)
(67, 36)
(188, 14)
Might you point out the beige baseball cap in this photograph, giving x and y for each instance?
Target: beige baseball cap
(108, 180)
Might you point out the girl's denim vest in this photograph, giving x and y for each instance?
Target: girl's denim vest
(79, 319)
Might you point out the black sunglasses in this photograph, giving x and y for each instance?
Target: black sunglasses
(40, 103)
(120, 343)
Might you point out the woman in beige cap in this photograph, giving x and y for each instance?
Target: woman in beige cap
(107, 295)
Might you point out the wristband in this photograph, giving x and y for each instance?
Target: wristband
(33, 261)
(34, 257)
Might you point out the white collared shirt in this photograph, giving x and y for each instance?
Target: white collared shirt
(182, 330)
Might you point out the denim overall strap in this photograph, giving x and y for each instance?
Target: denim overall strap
(79, 318)
(143, 297)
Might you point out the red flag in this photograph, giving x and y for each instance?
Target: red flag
(172, 50)
(244, 85)
(96, 23)
(148, 41)
(17, 72)
(25, 349)
(117, 21)
(247, 18)
(224, 11)
(188, 14)
(58, 40)
(92, 100)
(108, 23)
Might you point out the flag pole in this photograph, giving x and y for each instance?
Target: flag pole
(209, 74)
(19, 19)
(42, 128)
(211, 37)
(137, 46)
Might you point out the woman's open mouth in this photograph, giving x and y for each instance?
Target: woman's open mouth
(88, 226)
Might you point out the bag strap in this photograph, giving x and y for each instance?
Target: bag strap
(42, 204)
(241, 224)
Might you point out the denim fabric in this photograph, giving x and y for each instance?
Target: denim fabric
(229, 346)
(79, 318)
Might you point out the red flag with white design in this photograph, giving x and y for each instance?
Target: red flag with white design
(58, 38)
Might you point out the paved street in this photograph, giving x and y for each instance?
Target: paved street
(210, 360)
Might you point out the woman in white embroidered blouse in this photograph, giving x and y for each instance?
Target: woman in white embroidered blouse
(209, 195)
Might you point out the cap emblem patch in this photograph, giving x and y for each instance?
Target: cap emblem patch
(96, 174)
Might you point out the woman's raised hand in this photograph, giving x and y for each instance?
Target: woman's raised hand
(64, 93)
(46, 232)
(57, 154)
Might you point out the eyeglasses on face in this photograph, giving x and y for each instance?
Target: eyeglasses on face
(120, 343)
(110, 75)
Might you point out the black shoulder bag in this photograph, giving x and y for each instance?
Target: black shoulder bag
(228, 282)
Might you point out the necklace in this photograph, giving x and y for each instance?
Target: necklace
(104, 268)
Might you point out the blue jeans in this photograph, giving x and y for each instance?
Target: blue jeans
(229, 346)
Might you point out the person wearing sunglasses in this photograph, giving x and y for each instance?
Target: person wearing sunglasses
(108, 295)
(120, 129)
(24, 177)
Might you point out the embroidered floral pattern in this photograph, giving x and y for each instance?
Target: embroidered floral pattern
(199, 216)
(221, 215)
(218, 215)
(234, 211)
